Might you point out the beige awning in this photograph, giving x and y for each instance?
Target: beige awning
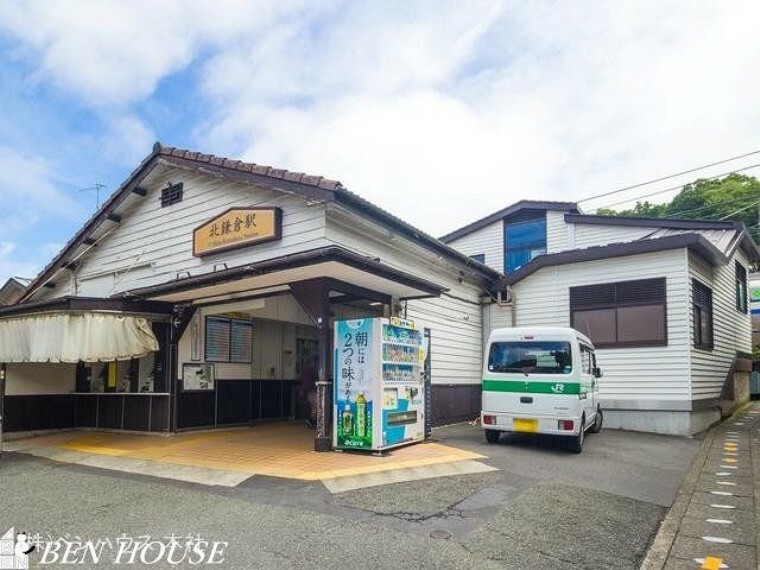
(71, 337)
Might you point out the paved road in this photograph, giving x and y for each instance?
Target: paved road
(544, 508)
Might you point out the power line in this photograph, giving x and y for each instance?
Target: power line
(739, 210)
(669, 176)
(680, 186)
(708, 206)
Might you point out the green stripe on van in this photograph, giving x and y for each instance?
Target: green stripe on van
(531, 387)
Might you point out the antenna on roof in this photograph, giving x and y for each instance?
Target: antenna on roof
(97, 187)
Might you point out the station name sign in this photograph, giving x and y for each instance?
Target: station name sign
(237, 227)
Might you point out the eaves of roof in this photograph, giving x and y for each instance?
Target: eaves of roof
(747, 244)
(291, 261)
(648, 222)
(87, 304)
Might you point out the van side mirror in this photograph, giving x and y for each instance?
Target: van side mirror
(597, 372)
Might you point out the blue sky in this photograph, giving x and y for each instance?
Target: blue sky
(440, 112)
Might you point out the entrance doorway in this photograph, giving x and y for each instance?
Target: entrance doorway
(251, 358)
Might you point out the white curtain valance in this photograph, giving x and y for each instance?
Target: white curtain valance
(64, 337)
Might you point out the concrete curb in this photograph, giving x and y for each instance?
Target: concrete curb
(658, 552)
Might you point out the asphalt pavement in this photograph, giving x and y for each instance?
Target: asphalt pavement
(713, 523)
(544, 507)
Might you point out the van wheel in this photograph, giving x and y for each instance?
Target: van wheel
(597, 427)
(576, 442)
(492, 435)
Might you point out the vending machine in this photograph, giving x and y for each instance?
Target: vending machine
(378, 384)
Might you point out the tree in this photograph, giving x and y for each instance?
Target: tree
(734, 197)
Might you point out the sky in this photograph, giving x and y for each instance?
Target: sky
(440, 112)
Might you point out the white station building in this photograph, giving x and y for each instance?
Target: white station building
(203, 287)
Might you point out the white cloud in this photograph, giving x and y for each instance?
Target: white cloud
(12, 267)
(31, 207)
(127, 138)
(444, 115)
(439, 112)
(17, 260)
(113, 52)
(29, 192)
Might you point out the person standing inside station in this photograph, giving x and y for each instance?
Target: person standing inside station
(307, 391)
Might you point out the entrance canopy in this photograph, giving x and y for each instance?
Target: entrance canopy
(369, 277)
(73, 329)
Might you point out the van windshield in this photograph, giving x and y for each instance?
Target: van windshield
(531, 357)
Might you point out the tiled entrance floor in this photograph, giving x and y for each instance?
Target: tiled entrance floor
(276, 450)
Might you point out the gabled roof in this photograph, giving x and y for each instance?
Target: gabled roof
(308, 186)
(725, 235)
(711, 245)
(13, 289)
(508, 211)
(692, 241)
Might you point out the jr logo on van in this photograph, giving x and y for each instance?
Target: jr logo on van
(520, 386)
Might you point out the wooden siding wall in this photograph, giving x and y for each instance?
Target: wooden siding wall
(455, 319)
(495, 317)
(153, 244)
(732, 330)
(557, 232)
(488, 241)
(589, 235)
(659, 373)
(455, 338)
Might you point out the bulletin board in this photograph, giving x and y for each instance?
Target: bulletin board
(198, 377)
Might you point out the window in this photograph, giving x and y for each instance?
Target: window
(741, 288)
(587, 360)
(228, 340)
(480, 257)
(531, 357)
(171, 194)
(623, 314)
(522, 242)
(703, 317)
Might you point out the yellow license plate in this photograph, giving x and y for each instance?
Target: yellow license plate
(525, 425)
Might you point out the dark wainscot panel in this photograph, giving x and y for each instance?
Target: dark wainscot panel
(453, 403)
(135, 412)
(236, 402)
(40, 412)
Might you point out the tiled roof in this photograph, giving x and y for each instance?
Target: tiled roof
(248, 167)
(323, 187)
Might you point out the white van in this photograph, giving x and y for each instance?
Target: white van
(540, 380)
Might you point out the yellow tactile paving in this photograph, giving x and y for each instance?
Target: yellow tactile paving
(277, 450)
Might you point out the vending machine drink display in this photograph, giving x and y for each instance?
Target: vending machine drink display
(379, 385)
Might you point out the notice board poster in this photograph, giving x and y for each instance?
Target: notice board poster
(197, 377)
